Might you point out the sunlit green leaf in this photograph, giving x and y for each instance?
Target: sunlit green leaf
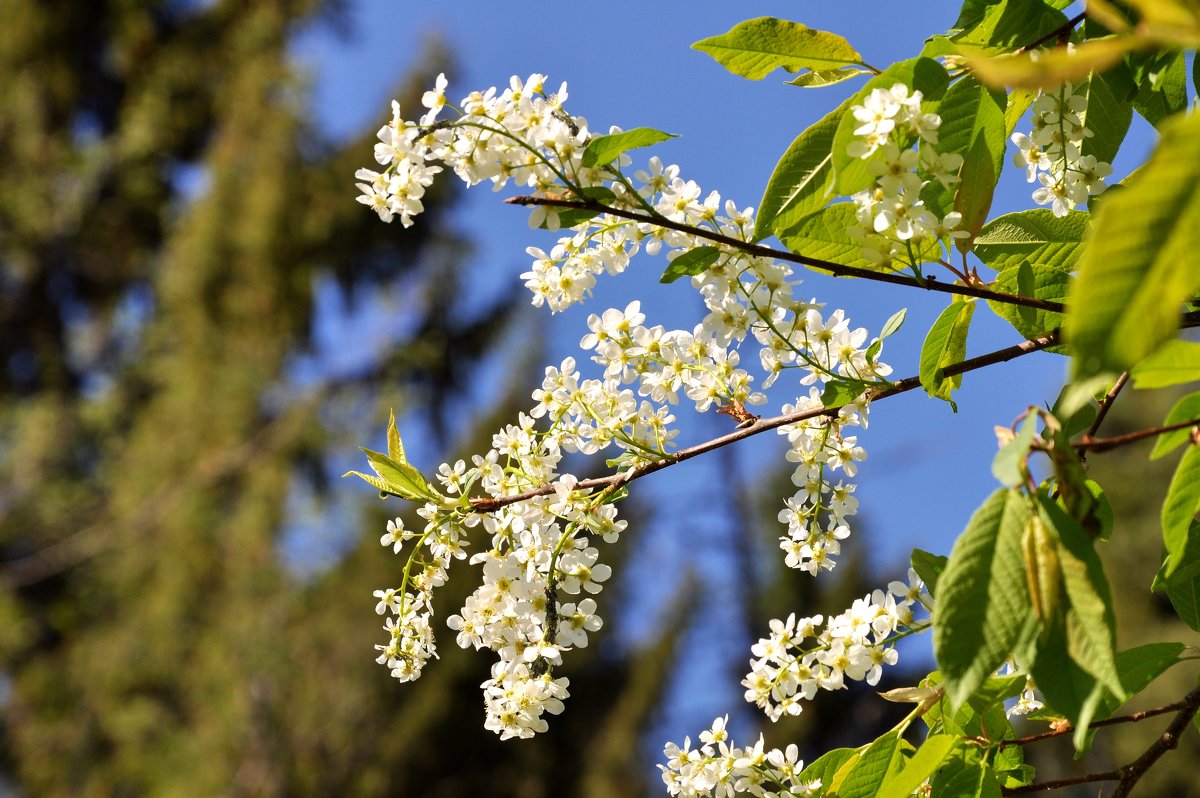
(945, 345)
(1109, 111)
(923, 74)
(1172, 363)
(394, 446)
(1007, 25)
(605, 149)
(1034, 235)
(1186, 409)
(983, 606)
(1161, 85)
(1007, 464)
(1049, 69)
(800, 183)
(1139, 265)
(1179, 510)
(756, 47)
(694, 261)
(827, 77)
(973, 128)
(868, 774)
(1049, 283)
(825, 235)
(1091, 624)
(920, 767)
(929, 568)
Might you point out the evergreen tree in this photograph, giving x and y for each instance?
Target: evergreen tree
(169, 219)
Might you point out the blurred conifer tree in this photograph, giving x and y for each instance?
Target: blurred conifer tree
(168, 219)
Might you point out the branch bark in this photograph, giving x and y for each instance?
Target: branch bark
(758, 250)
(487, 504)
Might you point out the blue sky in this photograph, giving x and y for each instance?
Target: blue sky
(630, 64)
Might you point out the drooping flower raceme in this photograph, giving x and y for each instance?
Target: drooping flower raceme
(854, 645)
(895, 226)
(718, 768)
(1052, 154)
(540, 568)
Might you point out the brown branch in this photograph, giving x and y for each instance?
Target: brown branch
(487, 504)
(1128, 775)
(1106, 404)
(1168, 740)
(1104, 444)
(758, 250)
(1132, 717)
(1061, 33)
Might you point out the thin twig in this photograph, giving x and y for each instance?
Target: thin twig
(487, 504)
(1106, 404)
(1132, 717)
(758, 250)
(1104, 444)
(1061, 32)
(1169, 739)
(1128, 775)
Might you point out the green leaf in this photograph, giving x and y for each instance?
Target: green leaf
(1138, 265)
(923, 764)
(756, 47)
(1068, 689)
(1185, 598)
(1091, 623)
(842, 392)
(825, 766)
(827, 77)
(977, 184)
(1185, 409)
(969, 781)
(1037, 236)
(867, 775)
(825, 235)
(972, 127)
(1101, 520)
(400, 478)
(1019, 101)
(1025, 287)
(893, 324)
(801, 180)
(1048, 69)
(982, 602)
(605, 149)
(1109, 111)
(1186, 567)
(1049, 283)
(395, 447)
(384, 488)
(1007, 465)
(923, 74)
(1172, 363)
(1162, 85)
(946, 344)
(1179, 510)
(929, 568)
(1010, 24)
(1075, 419)
(694, 261)
(1138, 668)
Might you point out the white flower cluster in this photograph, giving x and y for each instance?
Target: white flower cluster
(519, 134)
(894, 221)
(540, 546)
(1052, 153)
(854, 645)
(719, 769)
(816, 516)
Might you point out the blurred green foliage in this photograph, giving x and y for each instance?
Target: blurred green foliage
(169, 215)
